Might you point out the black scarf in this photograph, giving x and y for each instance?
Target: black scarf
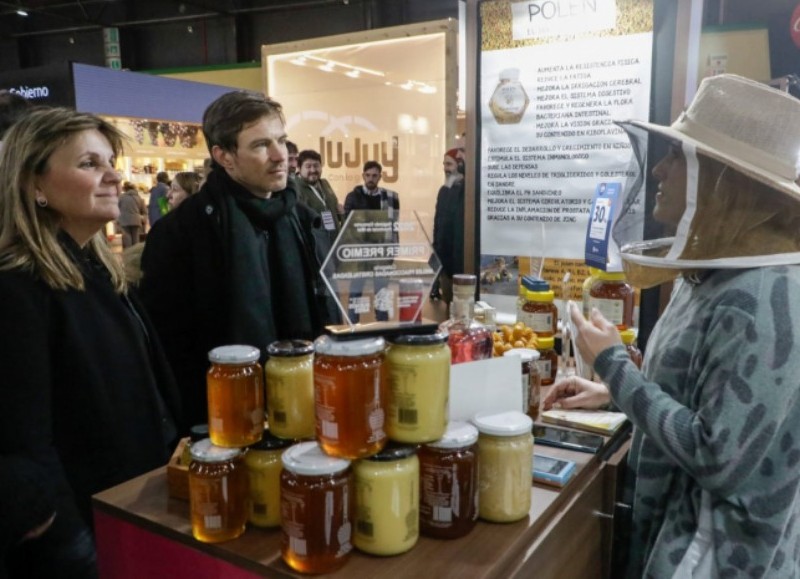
(270, 285)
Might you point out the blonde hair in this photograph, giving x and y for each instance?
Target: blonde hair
(29, 233)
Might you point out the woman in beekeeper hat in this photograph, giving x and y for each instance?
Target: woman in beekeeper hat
(716, 407)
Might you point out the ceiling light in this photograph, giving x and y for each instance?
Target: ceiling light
(21, 12)
(299, 61)
(408, 85)
(427, 89)
(353, 73)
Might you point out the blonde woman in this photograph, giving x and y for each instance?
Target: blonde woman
(88, 401)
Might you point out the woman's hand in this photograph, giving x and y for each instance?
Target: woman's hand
(593, 336)
(577, 392)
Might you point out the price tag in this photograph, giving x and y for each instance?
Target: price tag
(600, 221)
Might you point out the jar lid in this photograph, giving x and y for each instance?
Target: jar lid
(307, 458)
(545, 343)
(329, 346)
(628, 336)
(511, 423)
(540, 296)
(393, 451)
(271, 442)
(287, 348)
(418, 339)
(205, 451)
(535, 284)
(237, 354)
(198, 432)
(527, 354)
(457, 435)
(610, 275)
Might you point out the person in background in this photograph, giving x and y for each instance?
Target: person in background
(12, 108)
(184, 185)
(157, 205)
(132, 215)
(715, 408)
(448, 223)
(291, 148)
(88, 398)
(238, 262)
(316, 192)
(370, 196)
(205, 171)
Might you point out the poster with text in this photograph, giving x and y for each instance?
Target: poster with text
(554, 77)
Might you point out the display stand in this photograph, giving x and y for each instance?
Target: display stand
(142, 532)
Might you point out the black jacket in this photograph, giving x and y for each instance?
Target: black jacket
(88, 403)
(185, 286)
(448, 228)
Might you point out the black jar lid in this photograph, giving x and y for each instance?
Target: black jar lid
(393, 451)
(419, 339)
(198, 432)
(287, 348)
(271, 442)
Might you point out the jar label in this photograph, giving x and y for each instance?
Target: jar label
(612, 310)
(509, 99)
(539, 322)
(545, 366)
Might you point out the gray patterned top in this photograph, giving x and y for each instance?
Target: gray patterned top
(715, 407)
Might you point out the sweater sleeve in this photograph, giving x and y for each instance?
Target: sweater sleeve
(735, 412)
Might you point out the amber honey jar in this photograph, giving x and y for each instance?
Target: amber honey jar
(539, 312)
(548, 360)
(235, 396)
(289, 374)
(448, 502)
(218, 492)
(387, 501)
(317, 509)
(613, 297)
(349, 393)
(263, 462)
(418, 373)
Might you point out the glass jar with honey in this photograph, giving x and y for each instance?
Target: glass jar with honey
(387, 501)
(531, 380)
(349, 394)
(218, 492)
(539, 312)
(317, 509)
(613, 297)
(505, 455)
(448, 502)
(235, 396)
(418, 370)
(289, 374)
(548, 360)
(263, 462)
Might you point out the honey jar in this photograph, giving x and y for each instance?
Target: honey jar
(317, 509)
(218, 491)
(613, 297)
(548, 360)
(289, 374)
(349, 393)
(531, 380)
(629, 339)
(263, 462)
(235, 396)
(387, 501)
(448, 502)
(505, 455)
(418, 370)
(539, 312)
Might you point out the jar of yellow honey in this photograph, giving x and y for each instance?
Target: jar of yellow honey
(263, 462)
(235, 396)
(290, 388)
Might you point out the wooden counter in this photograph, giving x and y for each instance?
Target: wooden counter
(141, 532)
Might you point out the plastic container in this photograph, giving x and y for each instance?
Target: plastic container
(289, 374)
(531, 380)
(218, 491)
(505, 455)
(548, 360)
(448, 503)
(629, 339)
(235, 396)
(349, 393)
(387, 501)
(539, 312)
(418, 371)
(317, 508)
(613, 297)
(263, 462)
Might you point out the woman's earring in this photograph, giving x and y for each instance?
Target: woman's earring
(41, 202)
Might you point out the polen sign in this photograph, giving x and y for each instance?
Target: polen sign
(794, 26)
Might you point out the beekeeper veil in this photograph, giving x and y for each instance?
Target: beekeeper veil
(726, 178)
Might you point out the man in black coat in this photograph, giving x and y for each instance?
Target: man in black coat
(448, 223)
(237, 263)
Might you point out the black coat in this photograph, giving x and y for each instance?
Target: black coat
(88, 402)
(448, 228)
(185, 286)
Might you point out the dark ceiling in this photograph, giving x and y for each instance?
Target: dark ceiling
(58, 16)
